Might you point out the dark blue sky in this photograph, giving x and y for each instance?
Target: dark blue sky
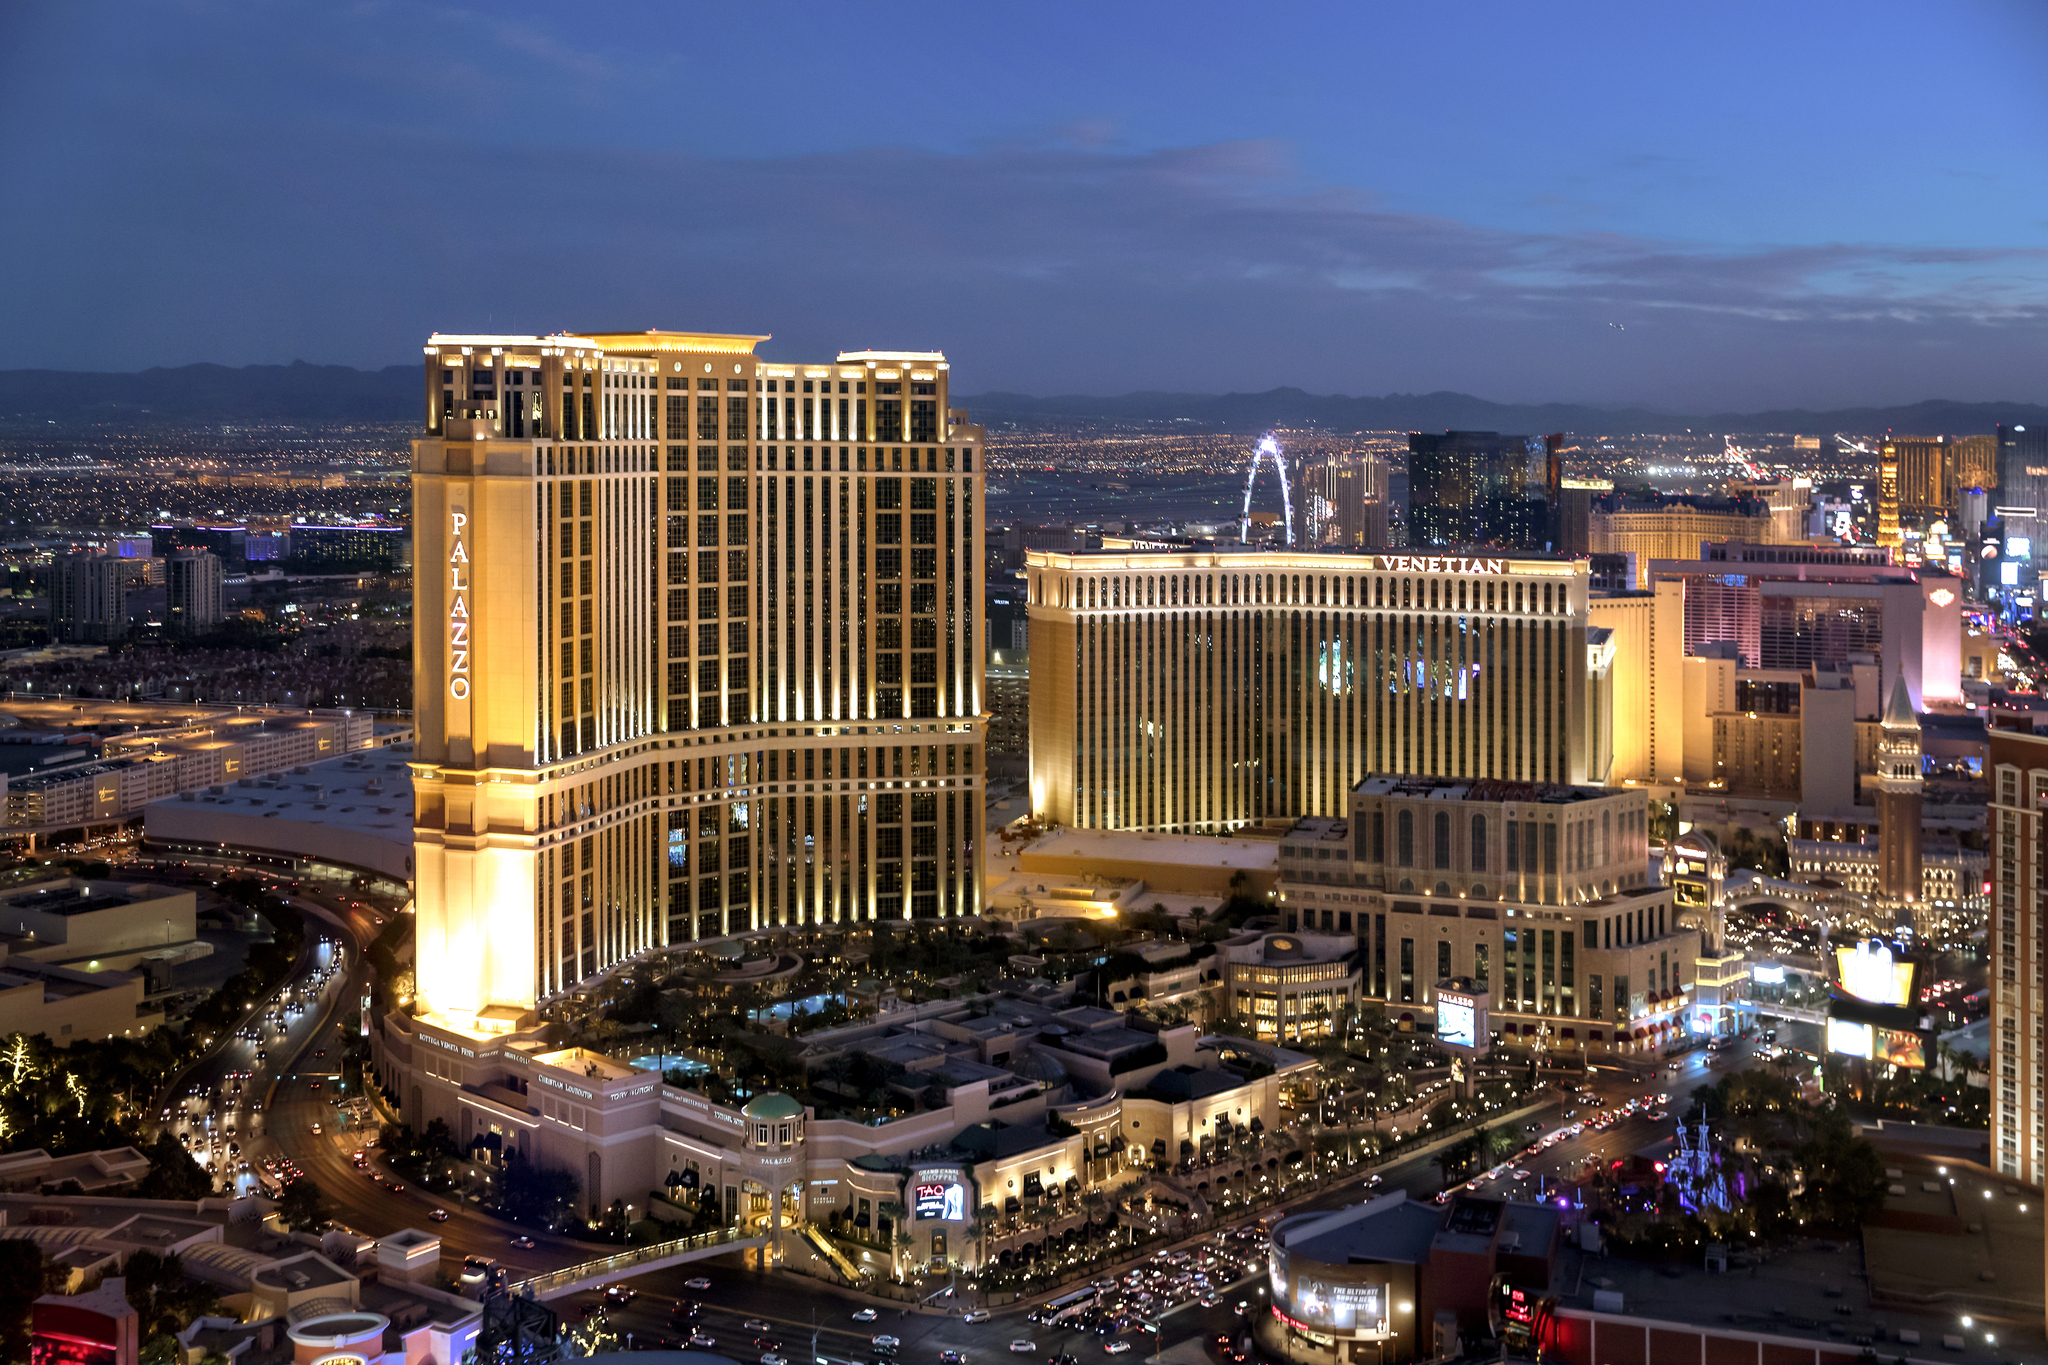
(1803, 203)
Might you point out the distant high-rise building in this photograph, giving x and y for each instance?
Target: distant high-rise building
(2017, 511)
(1478, 488)
(348, 547)
(1347, 498)
(1888, 495)
(1790, 502)
(1926, 473)
(1898, 806)
(192, 584)
(1656, 528)
(2018, 766)
(1976, 463)
(89, 598)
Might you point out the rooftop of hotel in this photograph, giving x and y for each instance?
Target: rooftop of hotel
(1135, 846)
(1493, 790)
(1331, 552)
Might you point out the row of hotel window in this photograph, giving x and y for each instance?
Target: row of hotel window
(1391, 593)
(1581, 849)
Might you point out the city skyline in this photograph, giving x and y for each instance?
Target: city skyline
(1610, 212)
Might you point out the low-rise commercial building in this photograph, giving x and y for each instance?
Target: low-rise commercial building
(185, 750)
(987, 1106)
(353, 811)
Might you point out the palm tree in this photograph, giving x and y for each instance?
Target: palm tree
(971, 1234)
(903, 1244)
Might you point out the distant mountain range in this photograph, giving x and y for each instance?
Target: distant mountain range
(213, 395)
(1291, 407)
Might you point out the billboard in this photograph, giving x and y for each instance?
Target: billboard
(1342, 1307)
(1454, 1021)
(1849, 1038)
(1461, 1022)
(948, 1200)
(1874, 1042)
(1871, 972)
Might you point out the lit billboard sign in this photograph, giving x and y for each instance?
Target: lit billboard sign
(1871, 972)
(1342, 1307)
(1461, 1022)
(1456, 1018)
(947, 1201)
(1872, 1042)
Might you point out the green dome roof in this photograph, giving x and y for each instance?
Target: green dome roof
(773, 1106)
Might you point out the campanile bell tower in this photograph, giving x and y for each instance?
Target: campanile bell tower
(1898, 805)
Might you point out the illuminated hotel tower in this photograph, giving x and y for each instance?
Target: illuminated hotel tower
(1197, 692)
(696, 652)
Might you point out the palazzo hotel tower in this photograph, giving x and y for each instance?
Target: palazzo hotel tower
(697, 652)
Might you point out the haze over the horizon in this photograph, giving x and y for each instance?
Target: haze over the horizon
(1747, 207)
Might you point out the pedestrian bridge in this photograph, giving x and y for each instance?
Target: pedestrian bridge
(636, 1261)
(1801, 1013)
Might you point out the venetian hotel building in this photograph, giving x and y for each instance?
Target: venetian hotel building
(1198, 692)
(697, 652)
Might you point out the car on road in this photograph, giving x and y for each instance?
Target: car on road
(756, 1325)
(978, 1315)
(1116, 1348)
(702, 1339)
(1023, 1347)
(618, 1293)
(770, 1358)
(437, 1215)
(316, 1130)
(524, 1243)
(952, 1358)
(767, 1344)
(887, 1342)
(697, 1282)
(395, 1186)
(865, 1315)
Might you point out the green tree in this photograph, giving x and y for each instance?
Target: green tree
(1844, 1175)
(539, 1196)
(303, 1208)
(173, 1174)
(164, 1300)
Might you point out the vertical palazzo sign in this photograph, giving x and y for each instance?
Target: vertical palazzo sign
(458, 607)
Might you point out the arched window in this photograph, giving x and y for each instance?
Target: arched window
(1479, 843)
(1443, 838)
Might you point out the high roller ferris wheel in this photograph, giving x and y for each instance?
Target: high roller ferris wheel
(1267, 446)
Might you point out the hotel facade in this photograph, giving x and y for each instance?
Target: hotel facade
(1197, 692)
(698, 653)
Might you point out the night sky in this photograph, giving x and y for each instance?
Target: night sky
(1698, 207)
